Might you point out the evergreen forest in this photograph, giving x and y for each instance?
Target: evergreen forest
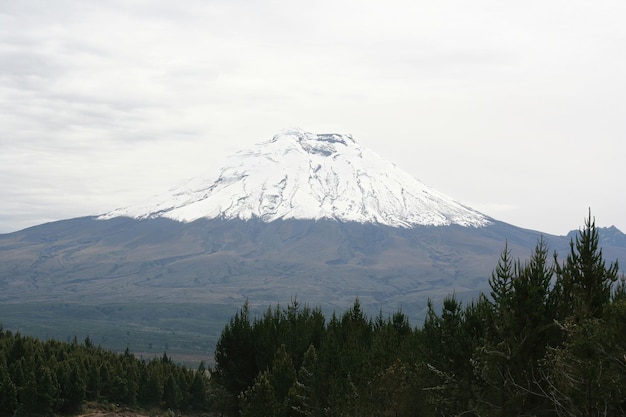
(548, 340)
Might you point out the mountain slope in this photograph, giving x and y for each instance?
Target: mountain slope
(315, 217)
(324, 262)
(300, 175)
(159, 284)
(609, 236)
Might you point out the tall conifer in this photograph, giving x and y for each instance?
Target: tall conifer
(584, 282)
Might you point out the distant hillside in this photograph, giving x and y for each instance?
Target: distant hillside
(161, 285)
(609, 236)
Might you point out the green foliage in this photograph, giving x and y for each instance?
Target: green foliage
(522, 327)
(549, 341)
(8, 392)
(282, 375)
(584, 282)
(47, 378)
(198, 389)
(302, 397)
(447, 351)
(259, 400)
(501, 281)
(248, 346)
(235, 353)
(586, 375)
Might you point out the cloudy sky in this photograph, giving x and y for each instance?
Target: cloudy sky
(515, 108)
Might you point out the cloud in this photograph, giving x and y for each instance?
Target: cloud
(98, 99)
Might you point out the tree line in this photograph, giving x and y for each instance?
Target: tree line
(548, 340)
(47, 378)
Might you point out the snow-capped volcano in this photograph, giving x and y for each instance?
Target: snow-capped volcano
(301, 175)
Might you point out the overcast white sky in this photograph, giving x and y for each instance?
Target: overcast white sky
(515, 108)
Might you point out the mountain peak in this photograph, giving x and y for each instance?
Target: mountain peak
(325, 144)
(302, 175)
(304, 136)
(609, 236)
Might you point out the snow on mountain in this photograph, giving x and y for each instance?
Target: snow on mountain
(302, 175)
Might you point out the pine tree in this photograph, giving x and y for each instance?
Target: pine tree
(72, 385)
(8, 392)
(198, 395)
(356, 336)
(259, 400)
(302, 399)
(282, 376)
(235, 355)
(508, 357)
(92, 387)
(586, 376)
(171, 393)
(153, 382)
(584, 282)
(40, 395)
(448, 349)
(585, 373)
(501, 281)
